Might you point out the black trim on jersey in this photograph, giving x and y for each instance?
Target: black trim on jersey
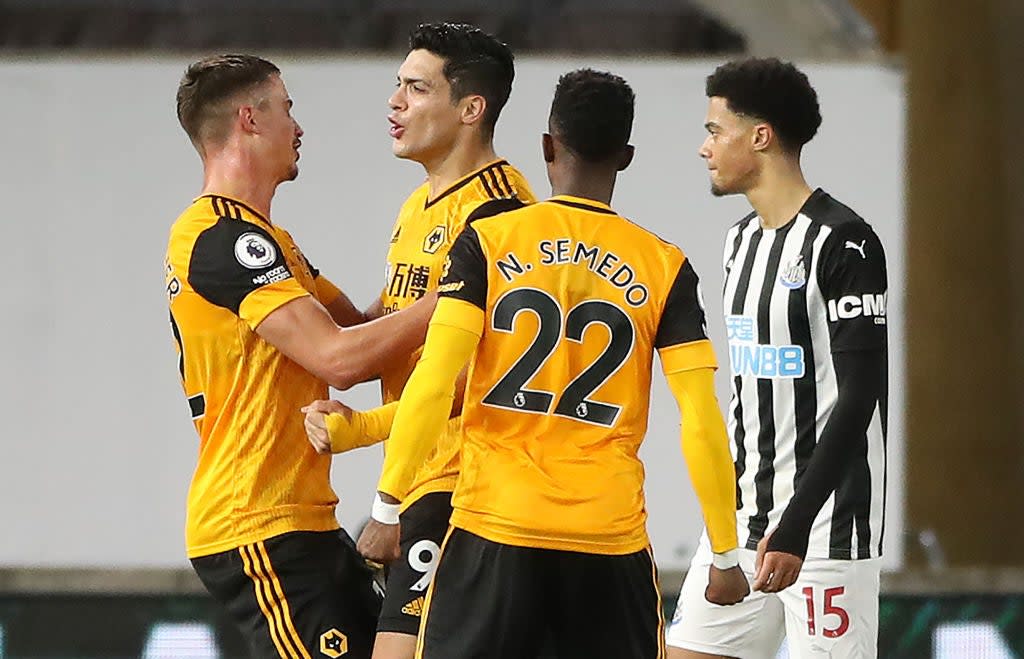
(487, 185)
(682, 319)
(497, 184)
(504, 179)
(215, 273)
(197, 405)
(805, 389)
(737, 241)
(467, 270)
(231, 207)
(764, 479)
(883, 409)
(461, 184)
(494, 207)
(840, 457)
(742, 286)
(583, 206)
(312, 270)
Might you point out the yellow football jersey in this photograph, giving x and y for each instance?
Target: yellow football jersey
(576, 300)
(420, 240)
(257, 476)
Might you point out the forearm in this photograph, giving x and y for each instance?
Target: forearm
(344, 313)
(705, 446)
(842, 440)
(364, 351)
(375, 310)
(426, 402)
(361, 429)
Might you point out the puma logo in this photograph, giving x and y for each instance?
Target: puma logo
(860, 248)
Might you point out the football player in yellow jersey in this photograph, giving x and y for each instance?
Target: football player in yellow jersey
(450, 91)
(259, 334)
(558, 308)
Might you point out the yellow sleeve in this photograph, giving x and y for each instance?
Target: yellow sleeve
(687, 356)
(326, 291)
(426, 402)
(362, 429)
(706, 449)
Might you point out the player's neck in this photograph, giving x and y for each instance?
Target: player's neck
(458, 163)
(597, 185)
(231, 177)
(779, 194)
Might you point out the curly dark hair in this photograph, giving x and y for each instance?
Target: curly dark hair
(592, 113)
(773, 91)
(211, 81)
(474, 63)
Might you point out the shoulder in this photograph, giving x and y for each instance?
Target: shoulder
(518, 184)
(190, 224)
(494, 207)
(741, 225)
(824, 209)
(650, 240)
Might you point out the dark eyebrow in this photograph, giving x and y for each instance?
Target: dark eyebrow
(410, 81)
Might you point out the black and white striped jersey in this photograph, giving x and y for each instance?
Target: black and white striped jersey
(794, 297)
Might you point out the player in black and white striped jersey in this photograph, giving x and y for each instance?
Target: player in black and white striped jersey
(805, 305)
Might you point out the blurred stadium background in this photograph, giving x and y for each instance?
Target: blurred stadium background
(921, 135)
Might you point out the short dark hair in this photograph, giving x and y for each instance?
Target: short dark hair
(592, 113)
(474, 63)
(211, 81)
(773, 91)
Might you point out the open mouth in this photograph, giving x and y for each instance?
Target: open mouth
(396, 130)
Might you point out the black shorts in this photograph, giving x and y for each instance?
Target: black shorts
(424, 525)
(298, 594)
(498, 601)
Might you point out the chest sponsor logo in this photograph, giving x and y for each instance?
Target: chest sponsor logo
(869, 305)
(254, 251)
(408, 280)
(435, 239)
(749, 358)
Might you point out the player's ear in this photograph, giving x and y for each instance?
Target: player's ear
(547, 146)
(627, 157)
(762, 136)
(473, 109)
(246, 118)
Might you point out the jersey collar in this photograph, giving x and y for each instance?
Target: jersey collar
(583, 204)
(500, 162)
(244, 205)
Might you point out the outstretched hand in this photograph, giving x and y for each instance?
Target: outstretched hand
(316, 423)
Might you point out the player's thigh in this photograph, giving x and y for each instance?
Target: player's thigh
(225, 576)
(607, 607)
(751, 629)
(486, 602)
(832, 610)
(324, 592)
(392, 645)
(424, 525)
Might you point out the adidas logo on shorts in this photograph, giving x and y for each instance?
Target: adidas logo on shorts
(414, 608)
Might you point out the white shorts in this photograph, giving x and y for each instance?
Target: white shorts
(831, 611)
